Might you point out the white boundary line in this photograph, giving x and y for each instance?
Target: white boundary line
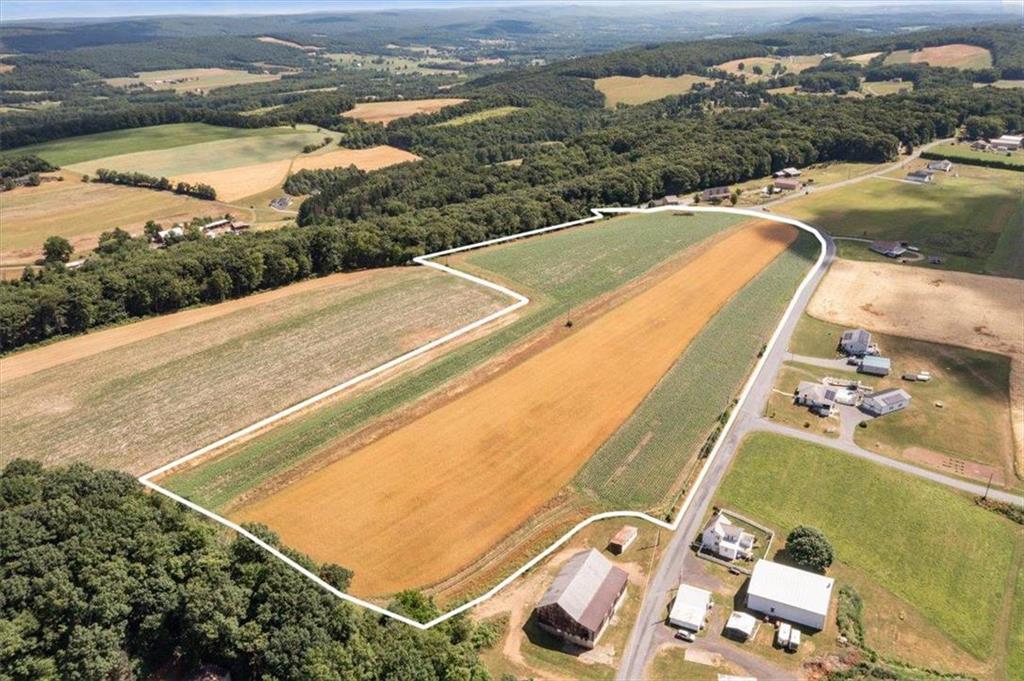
(520, 301)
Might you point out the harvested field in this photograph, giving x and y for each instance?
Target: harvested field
(585, 269)
(385, 112)
(417, 504)
(794, 64)
(956, 55)
(952, 308)
(863, 59)
(629, 90)
(886, 87)
(287, 43)
(80, 212)
(192, 80)
(373, 158)
(142, 394)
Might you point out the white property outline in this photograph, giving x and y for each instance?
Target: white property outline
(520, 301)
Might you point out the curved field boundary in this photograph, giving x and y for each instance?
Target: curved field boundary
(519, 301)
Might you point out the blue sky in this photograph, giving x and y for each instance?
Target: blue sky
(43, 9)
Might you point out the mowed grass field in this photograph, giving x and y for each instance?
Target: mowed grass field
(414, 506)
(963, 152)
(630, 90)
(80, 212)
(191, 80)
(793, 64)
(385, 112)
(666, 432)
(929, 546)
(137, 396)
(956, 55)
(974, 218)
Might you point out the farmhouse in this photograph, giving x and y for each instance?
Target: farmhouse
(821, 399)
(856, 342)
(740, 625)
(716, 194)
(942, 166)
(690, 608)
(786, 184)
(164, 235)
(1007, 142)
(981, 145)
(890, 249)
(790, 594)
(725, 539)
(922, 176)
(886, 401)
(581, 599)
(622, 539)
(875, 366)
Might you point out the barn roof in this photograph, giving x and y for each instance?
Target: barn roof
(787, 585)
(586, 588)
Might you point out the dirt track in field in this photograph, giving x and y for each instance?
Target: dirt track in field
(79, 347)
(953, 308)
(413, 507)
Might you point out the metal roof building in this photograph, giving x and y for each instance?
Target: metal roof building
(876, 366)
(582, 598)
(886, 401)
(690, 608)
(790, 594)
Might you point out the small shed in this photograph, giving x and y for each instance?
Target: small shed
(690, 608)
(623, 539)
(875, 366)
(886, 401)
(922, 176)
(581, 599)
(787, 184)
(740, 625)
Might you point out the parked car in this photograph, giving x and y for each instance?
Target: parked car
(686, 635)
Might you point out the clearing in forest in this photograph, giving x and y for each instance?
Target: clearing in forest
(139, 395)
(192, 80)
(792, 64)
(385, 112)
(629, 90)
(956, 55)
(424, 500)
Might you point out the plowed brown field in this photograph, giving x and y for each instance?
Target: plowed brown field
(418, 504)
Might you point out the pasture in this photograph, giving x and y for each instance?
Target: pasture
(902, 533)
(630, 90)
(192, 80)
(477, 116)
(956, 55)
(972, 217)
(80, 212)
(139, 395)
(72, 150)
(963, 153)
(668, 429)
(385, 112)
(886, 87)
(533, 426)
(792, 64)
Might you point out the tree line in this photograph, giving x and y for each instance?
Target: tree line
(99, 580)
(198, 190)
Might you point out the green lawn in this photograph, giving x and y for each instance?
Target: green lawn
(557, 271)
(815, 338)
(781, 409)
(973, 220)
(927, 544)
(962, 152)
(638, 466)
(101, 145)
(477, 116)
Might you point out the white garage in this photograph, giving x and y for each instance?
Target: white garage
(690, 608)
(790, 594)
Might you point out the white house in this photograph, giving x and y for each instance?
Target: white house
(727, 540)
(690, 608)
(855, 342)
(886, 401)
(790, 594)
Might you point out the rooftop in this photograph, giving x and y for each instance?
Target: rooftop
(690, 606)
(586, 588)
(791, 586)
(890, 396)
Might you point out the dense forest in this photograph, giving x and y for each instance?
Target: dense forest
(99, 580)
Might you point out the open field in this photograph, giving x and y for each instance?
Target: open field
(794, 64)
(902, 533)
(477, 116)
(142, 394)
(818, 174)
(955, 55)
(392, 63)
(972, 217)
(385, 112)
(629, 469)
(1005, 84)
(193, 80)
(629, 90)
(72, 150)
(372, 158)
(287, 43)
(963, 152)
(575, 269)
(886, 87)
(80, 212)
(864, 58)
(535, 424)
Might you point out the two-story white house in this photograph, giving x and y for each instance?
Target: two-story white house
(727, 540)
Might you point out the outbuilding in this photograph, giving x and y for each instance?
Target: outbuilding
(921, 176)
(886, 401)
(890, 249)
(716, 194)
(740, 625)
(690, 608)
(788, 172)
(1007, 142)
(875, 366)
(581, 599)
(787, 184)
(790, 594)
(941, 166)
(622, 539)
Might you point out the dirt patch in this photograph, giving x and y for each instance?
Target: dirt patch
(385, 112)
(968, 310)
(956, 466)
(420, 503)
